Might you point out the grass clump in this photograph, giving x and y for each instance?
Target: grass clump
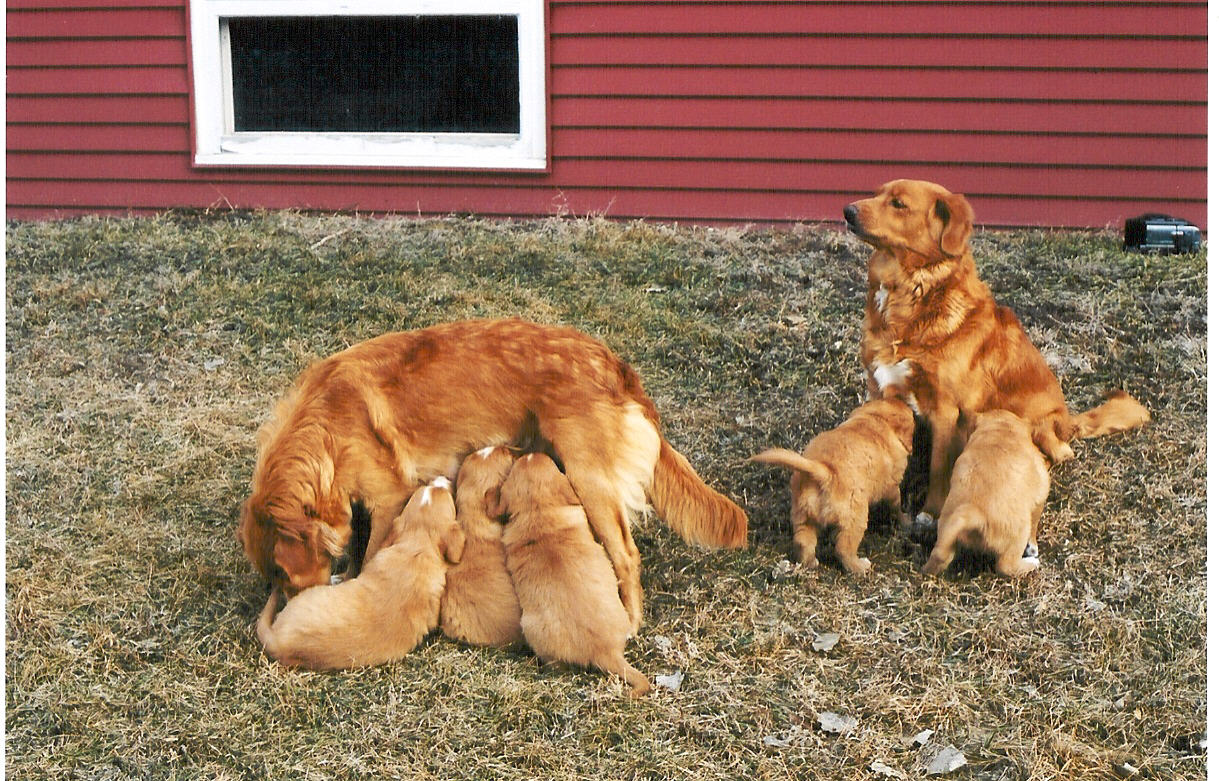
(142, 354)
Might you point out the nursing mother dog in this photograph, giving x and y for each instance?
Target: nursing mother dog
(934, 336)
(363, 428)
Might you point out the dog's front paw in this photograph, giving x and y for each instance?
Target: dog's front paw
(923, 528)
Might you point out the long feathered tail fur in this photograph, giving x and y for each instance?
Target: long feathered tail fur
(699, 514)
(1119, 413)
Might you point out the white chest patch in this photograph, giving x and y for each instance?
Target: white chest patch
(887, 374)
(881, 299)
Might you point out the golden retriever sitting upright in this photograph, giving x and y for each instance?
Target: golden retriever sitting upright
(366, 426)
(569, 606)
(998, 489)
(479, 605)
(933, 334)
(841, 473)
(382, 614)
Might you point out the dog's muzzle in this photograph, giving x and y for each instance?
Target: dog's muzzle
(851, 213)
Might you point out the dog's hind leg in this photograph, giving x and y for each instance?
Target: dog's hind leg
(609, 453)
(850, 534)
(1012, 563)
(805, 534)
(1030, 550)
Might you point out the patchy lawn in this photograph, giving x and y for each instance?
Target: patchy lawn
(143, 354)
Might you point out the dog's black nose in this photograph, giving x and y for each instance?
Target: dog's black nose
(851, 212)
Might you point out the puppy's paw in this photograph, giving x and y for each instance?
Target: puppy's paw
(1032, 562)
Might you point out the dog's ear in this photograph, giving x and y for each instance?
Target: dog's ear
(957, 218)
(453, 544)
(257, 534)
(498, 508)
(492, 504)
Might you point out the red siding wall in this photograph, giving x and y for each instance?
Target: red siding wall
(1044, 113)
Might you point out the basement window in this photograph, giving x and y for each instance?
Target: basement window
(369, 83)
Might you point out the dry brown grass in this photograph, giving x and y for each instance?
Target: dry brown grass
(143, 354)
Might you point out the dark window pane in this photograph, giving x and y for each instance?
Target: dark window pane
(440, 74)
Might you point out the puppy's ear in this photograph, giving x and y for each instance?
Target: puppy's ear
(957, 218)
(498, 508)
(453, 544)
(492, 504)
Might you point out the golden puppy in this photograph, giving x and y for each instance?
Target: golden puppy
(382, 614)
(569, 611)
(841, 473)
(933, 334)
(479, 605)
(363, 427)
(999, 486)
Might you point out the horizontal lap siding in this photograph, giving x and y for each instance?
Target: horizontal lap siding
(1048, 113)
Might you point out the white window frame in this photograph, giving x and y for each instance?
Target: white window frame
(217, 144)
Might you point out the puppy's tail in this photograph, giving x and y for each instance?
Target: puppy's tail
(793, 460)
(266, 635)
(699, 514)
(950, 528)
(1120, 413)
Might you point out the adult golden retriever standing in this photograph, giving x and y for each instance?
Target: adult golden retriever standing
(369, 424)
(934, 335)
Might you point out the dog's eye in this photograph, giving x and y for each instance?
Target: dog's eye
(897, 203)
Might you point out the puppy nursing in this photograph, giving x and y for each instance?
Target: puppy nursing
(570, 611)
(999, 485)
(841, 473)
(386, 611)
(479, 605)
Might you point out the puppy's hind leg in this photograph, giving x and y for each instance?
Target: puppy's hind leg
(950, 528)
(1011, 564)
(1030, 550)
(850, 534)
(804, 535)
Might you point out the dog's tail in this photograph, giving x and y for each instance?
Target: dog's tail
(699, 514)
(950, 528)
(778, 456)
(1120, 413)
(266, 635)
